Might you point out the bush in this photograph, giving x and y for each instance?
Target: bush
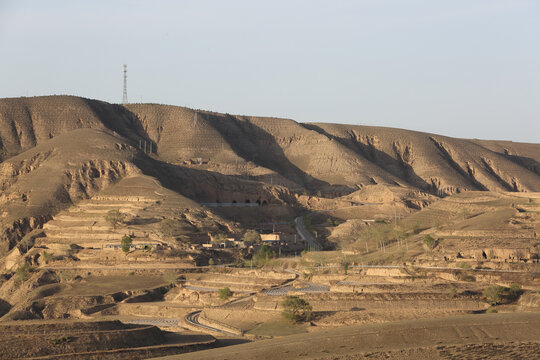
(62, 340)
(22, 272)
(115, 217)
(225, 293)
(429, 241)
(47, 257)
(211, 262)
(252, 236)
(264, 254)
(514, 292)
(296, 309)
(126, 243)
(493, 293)
(307, 276)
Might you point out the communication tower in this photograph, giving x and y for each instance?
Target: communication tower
(124, 98)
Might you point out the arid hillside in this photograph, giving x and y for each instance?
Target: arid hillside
(58, 150)
(312, 156)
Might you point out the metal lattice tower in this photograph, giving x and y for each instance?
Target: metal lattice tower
(125, 98)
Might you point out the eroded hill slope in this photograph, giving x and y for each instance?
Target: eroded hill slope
(328, 157)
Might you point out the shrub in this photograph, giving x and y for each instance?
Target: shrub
(252, 236)
(126, 243)
(22, 272)
(264, 254)
(307, 276)
(115, 217)
(47, 257)
(296, 309)
(225, 293)
(211, 262)
(429, 241)
(514, 291)
(493, 293)
(62, 340)
(453, 292)
(491, 310)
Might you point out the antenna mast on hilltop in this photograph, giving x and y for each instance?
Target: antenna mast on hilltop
(124, 98)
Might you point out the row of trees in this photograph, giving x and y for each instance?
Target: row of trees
(378, 237)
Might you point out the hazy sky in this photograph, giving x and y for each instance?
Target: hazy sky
(464, 68)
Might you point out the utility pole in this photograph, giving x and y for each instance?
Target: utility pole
(124, 97)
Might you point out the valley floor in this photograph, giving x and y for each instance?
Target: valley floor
(487, 336)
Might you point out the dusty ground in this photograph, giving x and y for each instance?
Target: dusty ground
(92, 339)
(370, 194)
(472, 337)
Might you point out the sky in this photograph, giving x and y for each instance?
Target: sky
(462, 68)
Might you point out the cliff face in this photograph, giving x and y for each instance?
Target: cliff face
(57, 150)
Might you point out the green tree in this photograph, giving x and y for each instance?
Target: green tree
(295, 309)
(346, 267)
(264, 254)
(493, 293)
(514, 291)
(252, 236)
(126, 243)
(115, 217)
(225, 293)
(22, 271)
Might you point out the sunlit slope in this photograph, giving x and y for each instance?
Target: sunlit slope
(331, 158)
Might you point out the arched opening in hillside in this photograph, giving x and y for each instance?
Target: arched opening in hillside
(265, 203)
(259, 202)
(234, 201)
(248, 202)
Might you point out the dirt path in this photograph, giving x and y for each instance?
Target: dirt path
(193, 319)
(428, 339)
